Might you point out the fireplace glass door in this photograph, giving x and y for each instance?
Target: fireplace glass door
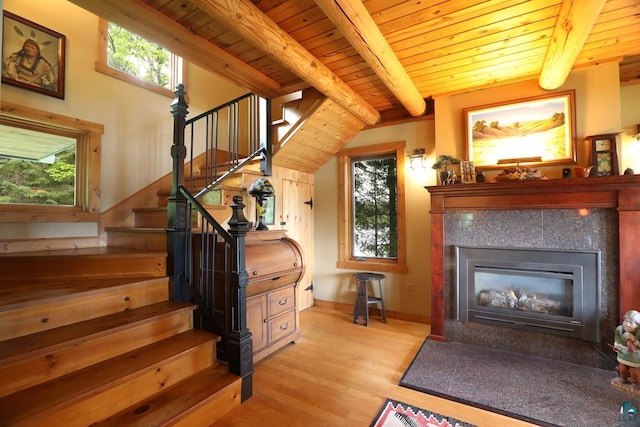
(547, 291)
(532, 291)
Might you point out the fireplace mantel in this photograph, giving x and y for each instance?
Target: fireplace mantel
(618, 192)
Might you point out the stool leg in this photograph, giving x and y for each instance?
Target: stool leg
(366, 302)
(384, 313)
(360, 308)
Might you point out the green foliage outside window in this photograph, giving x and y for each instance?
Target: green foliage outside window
(29, 182)
(133, 55)
(375, 230)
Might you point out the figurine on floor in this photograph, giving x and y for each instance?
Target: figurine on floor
(627, 346)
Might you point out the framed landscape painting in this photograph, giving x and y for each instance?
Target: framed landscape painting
(534, 131)
(33, 56)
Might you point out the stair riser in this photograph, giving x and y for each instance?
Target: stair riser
(56, 312)
(215, 408)
(151, 219)
(79, 266)
(148, 241)
(122, 395)
(46, 365)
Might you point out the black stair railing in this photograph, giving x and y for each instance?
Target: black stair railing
(206, 261)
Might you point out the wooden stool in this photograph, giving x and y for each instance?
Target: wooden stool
(363, 299)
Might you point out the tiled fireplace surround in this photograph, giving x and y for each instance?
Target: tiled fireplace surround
(599, 213)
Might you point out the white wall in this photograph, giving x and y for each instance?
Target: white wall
(333, 284)
(630, 101)
(137, 123)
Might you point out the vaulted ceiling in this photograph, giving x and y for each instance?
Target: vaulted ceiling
(381, 58)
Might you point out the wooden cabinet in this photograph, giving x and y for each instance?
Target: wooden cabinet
(275, 268)
(273, 320)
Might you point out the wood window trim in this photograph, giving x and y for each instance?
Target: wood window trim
(88, 137)
(102, 66)
(345, 209)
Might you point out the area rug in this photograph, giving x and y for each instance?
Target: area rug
(541, 391)
(399, 414)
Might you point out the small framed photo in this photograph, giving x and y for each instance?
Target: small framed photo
(33, 56)
(270, 210)
(467, 172)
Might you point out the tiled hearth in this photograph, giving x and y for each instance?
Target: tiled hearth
(600, 213)
(575, 229)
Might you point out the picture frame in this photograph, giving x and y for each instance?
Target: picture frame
(538, 131)
(33, 56)
(467, 172)
(270, 210)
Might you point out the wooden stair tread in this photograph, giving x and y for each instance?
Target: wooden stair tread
(176, 402)
(92, 380)
(101, 251)
(47, 341)
(21, 293)
(138, 229)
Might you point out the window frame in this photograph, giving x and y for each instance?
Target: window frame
(345, 209)
(88, 138)
(102, 66)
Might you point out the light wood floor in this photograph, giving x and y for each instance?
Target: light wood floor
(340, 373)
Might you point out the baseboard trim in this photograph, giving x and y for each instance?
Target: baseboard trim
(348, 308)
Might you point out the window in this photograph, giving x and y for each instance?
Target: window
(49, 166)
(131, 58)
(371, 202)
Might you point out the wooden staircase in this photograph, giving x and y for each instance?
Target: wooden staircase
(88, 337)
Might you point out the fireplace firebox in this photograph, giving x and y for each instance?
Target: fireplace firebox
(549, 291)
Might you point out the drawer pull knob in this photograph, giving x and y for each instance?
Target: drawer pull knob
(255, 273)
(284, 327)
(283, 301)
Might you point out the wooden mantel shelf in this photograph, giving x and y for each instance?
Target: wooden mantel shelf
(618, 192)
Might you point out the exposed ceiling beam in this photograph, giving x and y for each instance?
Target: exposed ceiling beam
(573, 26)
(138, 17)
(252, 24)
(356, 25)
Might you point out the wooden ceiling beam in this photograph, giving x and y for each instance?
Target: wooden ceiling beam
(574, 24)
(252, 24)
(357, 26)
(137, 17)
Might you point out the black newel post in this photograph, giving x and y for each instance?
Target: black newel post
(239, 345)
(177, 205)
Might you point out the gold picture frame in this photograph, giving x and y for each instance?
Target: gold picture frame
(537, 131)
(33, 56)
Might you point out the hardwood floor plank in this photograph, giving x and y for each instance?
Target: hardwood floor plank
(340, 373)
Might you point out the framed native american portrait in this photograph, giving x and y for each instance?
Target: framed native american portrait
(33, 56)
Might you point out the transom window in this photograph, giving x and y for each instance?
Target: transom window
(129, 57)
(371, 208)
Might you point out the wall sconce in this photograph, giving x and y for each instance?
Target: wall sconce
(416, 158)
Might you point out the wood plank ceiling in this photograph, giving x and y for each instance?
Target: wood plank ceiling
(375, 57)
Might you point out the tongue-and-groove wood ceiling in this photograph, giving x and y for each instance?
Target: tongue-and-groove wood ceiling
(380, 59)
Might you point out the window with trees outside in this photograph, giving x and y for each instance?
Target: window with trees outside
(371, 217)
(49, 166)
(131, 58)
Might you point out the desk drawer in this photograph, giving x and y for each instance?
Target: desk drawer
(281, 301)
(282, 326)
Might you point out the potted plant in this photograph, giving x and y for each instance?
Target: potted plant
(446, 176)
